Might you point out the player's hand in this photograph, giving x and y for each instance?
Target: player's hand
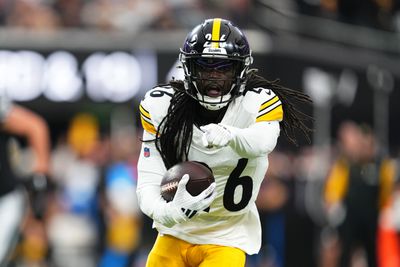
(185, 200)
(38, 189)
(216, 135)
(184, 206)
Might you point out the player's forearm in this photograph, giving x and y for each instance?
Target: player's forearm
(151, 203)
(23, 122)
(150, 172)
(255, 141)
(149, 179)
(148, 198)
(40, 142)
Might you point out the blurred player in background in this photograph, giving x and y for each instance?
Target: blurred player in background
(18, 121)
(358, 187)
(222, 114)
(121, 210)
(74, 227)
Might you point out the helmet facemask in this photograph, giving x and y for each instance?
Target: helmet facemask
(213, 80)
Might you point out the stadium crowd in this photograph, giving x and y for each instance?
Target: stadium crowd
(110, 15)
(136, 15)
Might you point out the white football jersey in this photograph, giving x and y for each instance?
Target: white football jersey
(233, 217)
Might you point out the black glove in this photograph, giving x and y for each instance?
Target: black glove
(38, 194)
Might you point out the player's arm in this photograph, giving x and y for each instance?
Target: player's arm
(25, 123)
(258, 139)
(151, 169)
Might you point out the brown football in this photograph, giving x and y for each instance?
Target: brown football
(200, 174)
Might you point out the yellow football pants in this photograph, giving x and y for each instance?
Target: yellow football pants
(169, 251)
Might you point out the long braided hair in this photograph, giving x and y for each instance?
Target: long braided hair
(293, 118)
(174, 134)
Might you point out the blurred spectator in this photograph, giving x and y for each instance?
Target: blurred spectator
(357, 188)
(304, 209)
(4, 10)
(290, 209)
(182, 14)
(73, 228)
(69, 12)
(121, 15)
(380, 14)
(32, 14)
(271, 201)
(237, 11)
(124, 15)
(137, 15)
(122, 216)
(361, 12)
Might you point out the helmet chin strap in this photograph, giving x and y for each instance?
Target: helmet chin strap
(214, 103)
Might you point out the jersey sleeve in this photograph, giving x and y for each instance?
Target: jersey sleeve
(270, 108)
(150, 171)
(145, 117)
(154, 107)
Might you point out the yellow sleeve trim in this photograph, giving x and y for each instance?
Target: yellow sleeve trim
(275, 114)
(148, 126)
(144, 112)
(268, 103)
(145, 118)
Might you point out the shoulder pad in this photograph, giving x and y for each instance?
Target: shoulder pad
(160, 91)
(154, 107)
(270, 108)
(265, 103)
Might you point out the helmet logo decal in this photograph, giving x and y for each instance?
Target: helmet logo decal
(216, 46)
(193, 40)
(209, 50)
(215, 43)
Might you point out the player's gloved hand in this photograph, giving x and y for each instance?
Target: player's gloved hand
(217, 135)
(184, 206)
(38, 189)
(187, 202)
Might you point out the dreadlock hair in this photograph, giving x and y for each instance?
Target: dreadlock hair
(174, 134)
(293, 118)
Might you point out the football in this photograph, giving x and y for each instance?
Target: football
(201, 177)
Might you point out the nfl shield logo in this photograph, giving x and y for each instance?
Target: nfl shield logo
(146, 152)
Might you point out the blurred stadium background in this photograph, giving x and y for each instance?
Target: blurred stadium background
(84, 65)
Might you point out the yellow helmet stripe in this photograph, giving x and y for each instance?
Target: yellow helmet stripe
(216, 28)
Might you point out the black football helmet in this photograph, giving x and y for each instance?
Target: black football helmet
(215, 59)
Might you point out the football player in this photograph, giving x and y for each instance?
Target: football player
(16, 120)
(224, 115)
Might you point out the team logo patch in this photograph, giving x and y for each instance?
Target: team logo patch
(146, 152)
